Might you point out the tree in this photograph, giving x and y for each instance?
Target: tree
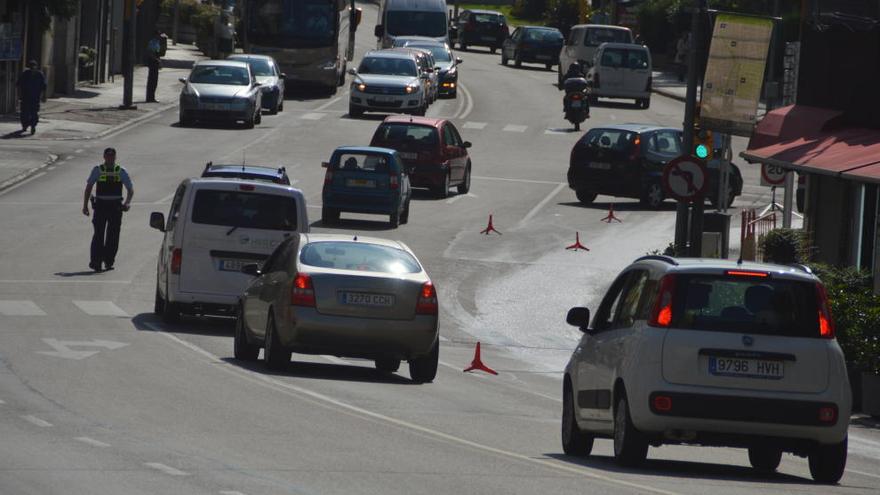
(562, 14)
(41, 11)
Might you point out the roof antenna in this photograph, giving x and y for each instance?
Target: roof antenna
(243, 153)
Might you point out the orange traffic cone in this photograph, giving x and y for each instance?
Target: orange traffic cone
(610, 217)
(577, 243)
(490, 228)
(477, 363)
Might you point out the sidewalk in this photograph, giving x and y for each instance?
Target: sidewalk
(90, 113)
(667, 84)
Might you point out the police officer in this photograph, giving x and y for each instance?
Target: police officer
(108, 206)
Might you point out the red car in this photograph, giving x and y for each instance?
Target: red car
(432, 150)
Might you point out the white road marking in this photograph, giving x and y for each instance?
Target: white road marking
(474, 125)
(313, 116)
(442, 339)
(92, 442)
(862, 473)
(158, 466)
(329, 103)
(230, 492)
(20, 308)
(51, 168)
(36, 421)
(298, 391)
(470, 102)
(507, 179)
(16, 185)
(613, 117)
(335, 360)
(557, 132)
(515, 128)
(79, 151)
(534, 211)
(64, 348)
(459, 196)
(100, 308)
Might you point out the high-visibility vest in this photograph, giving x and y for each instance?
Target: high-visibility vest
(109, 185)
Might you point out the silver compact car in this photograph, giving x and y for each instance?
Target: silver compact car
(343, 296)
(388, 81)
(220, 90)
(270, 77)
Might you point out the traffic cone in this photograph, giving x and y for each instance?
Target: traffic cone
(610, 217)
(490, 228)
(577, 243)
(477, 363)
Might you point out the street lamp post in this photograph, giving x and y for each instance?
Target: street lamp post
(128, 50)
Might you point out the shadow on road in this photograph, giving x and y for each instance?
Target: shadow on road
(13, 135)
(628, 206)
(321, 371)
(684, 469)
(355, 225)
(307, 92)
(615, 104)
(84, 273)
(191, 325)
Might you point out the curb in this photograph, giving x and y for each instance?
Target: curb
(27, 174)
(118, 128)
(669, 94)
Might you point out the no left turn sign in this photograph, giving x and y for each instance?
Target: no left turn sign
(772, 175)
(685, 178)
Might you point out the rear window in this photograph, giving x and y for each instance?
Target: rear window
(745, 304)
(545, 35)
(245, 210)
(407, 133)
(493, 18)
(596, 37)
(623, 58)
(363, 163)
(609, 139)
(358, 256)
(230, 174)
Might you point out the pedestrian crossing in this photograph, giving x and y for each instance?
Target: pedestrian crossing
(27, 308)
(469, 125)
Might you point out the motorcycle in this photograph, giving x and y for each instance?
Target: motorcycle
(576, 102)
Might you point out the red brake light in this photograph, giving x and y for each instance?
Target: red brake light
(661, 316)
(746, 273)
(246, 187)
(637, 148)
(176, 260)
(328, 176)
(302, 293)
(395, 181)
(576, 96)
(662, 403)
(427, 304)
(826, 322)
(828, 414)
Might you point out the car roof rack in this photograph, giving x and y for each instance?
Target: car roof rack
(208, 166)
(659, 257)
(803, 268)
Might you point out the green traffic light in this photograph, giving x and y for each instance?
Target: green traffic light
(702, 151)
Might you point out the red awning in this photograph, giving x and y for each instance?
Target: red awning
(808, 139)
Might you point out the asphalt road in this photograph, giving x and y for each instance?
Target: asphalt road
(97, 396)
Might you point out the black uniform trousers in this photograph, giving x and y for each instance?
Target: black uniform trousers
(152, 78)
(107, 220)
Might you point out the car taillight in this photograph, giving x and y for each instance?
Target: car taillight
(636, 148)
(746, 273)
(427, 304)
(661, 316)
(826, 322)
(576, 96)
(394, 181)
(828, 414)
(662, 403)
(328, 177)
(176, 260)
(302, 292)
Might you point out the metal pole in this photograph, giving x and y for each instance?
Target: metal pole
(696, 224)
(128, 43)
(787, 200)
(176, 22)
(723, 170)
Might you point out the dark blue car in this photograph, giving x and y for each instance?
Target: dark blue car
(364, 179)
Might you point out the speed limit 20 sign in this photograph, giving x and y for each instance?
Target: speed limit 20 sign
(772, 175)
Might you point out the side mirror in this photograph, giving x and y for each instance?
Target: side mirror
(157, 221)
(282, 75)
(251, 269)
(458, 60)
(257, 83)
(182, 79)
(352, 71)
(358, 15)
(466, 144)
(379, 31)
(578, 317)
(325, 164)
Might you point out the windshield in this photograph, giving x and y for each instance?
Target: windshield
(245, 210)
(388, 66)
(440, 53)
(596, 37)
(358, 256)
(544, 35)
(414, 23)
(291, 23)
(219, 74)
(261, 67)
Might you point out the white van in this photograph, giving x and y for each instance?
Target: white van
(426, 18)
(621, 70)
(216, 226)
(583, 41)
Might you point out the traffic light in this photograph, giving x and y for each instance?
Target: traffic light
(703, 143)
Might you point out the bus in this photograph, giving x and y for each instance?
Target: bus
(312, 40)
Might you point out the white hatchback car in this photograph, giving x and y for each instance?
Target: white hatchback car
(710, 352)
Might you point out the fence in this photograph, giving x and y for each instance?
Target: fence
(752, 229)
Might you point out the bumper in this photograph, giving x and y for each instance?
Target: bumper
(356, 203)
(448, 86)
(620, 93)
(310, 332)
(271, 98)
(384, 103)
(205, 303)
(198, 112)
(481, 39)
(539, 57)
(428, 175)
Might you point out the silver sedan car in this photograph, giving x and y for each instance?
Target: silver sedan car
(343, 296)
(220, 90)
(270, 77)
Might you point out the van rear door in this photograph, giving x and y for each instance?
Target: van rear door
(233, 224)
(638, 70)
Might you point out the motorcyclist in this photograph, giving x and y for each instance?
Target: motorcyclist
(575, 82)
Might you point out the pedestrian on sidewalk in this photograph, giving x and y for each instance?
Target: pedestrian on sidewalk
(155, 52)
(224, 35)
(31, 87)
(108, 207)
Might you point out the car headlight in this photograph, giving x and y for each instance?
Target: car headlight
(190, 91)
(412, 88)
(452, 72)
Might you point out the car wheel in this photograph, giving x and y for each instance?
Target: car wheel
(404, 217)
(586, 197)
(577, 126)
(559, 78)
(242, 349)
(394, 219)
(517, 59)
(574, 441)
(281, 103)
(465, 186)
(424, 369)
(765, 459)
(249, 123)
(503, 58)
(354, 111)
(275, 355)
(170, 312)
(462, 45)
(184, 120)
(630, 447)
(653, 196)
(258, 117)
(646, 103)
(386, 365)
(593, 99)
(443, 190)
(549, 66)
(493, 49)
(422, 110)
(329, 215)
(158, 303)
(827, 462)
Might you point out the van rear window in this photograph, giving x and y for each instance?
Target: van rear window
(763, 306)
(245, 210)
(597, 36)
